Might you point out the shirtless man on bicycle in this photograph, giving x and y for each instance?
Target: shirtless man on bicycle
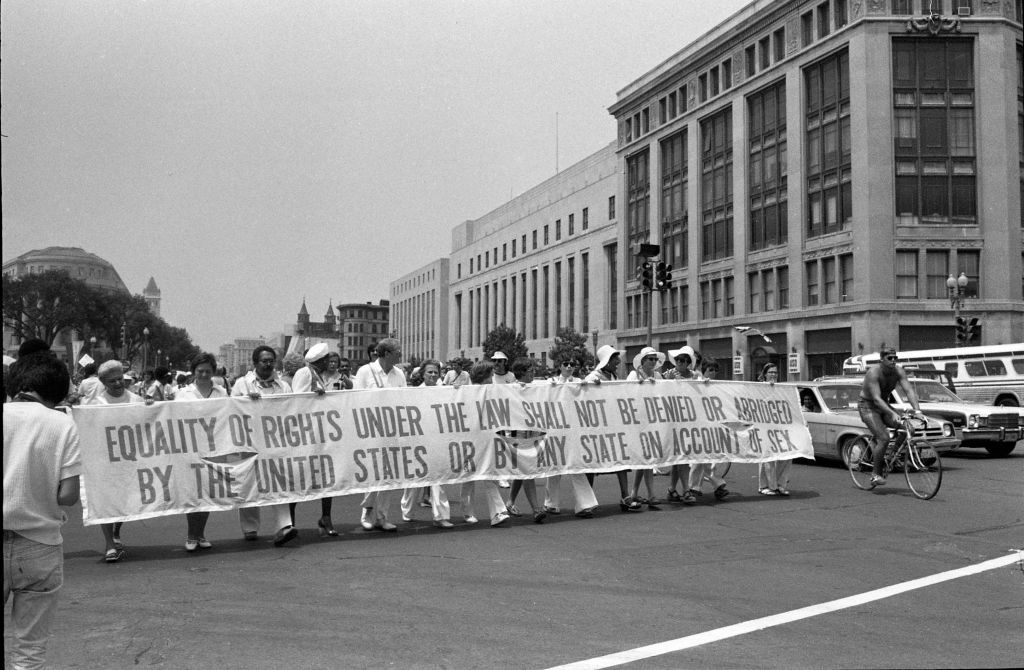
(875, 410)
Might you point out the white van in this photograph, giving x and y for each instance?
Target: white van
(989, 375)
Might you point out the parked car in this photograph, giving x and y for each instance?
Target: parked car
(833, 419)
(996, 429)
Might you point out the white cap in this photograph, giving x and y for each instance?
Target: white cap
(316, 352)
(498, 356)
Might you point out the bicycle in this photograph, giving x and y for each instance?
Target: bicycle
(919, 461)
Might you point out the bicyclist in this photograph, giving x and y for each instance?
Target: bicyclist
(875, 410)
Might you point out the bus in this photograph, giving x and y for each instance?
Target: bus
(990, 375)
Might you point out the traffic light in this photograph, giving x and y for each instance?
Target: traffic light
(971, 330)
(966, 330)
(663, 276)
(646, 277)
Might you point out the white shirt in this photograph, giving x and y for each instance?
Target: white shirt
(40, 449)
(250, 383)
(507, 378)
(372, 376)
(104, 398)
(192, 392)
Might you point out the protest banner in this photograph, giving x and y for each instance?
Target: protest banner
(207, 455)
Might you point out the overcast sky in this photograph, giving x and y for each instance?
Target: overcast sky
(249, 154)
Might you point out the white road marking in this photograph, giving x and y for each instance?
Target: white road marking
(640, 653)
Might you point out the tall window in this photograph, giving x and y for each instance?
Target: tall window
(611, 208)
(716, 186)
(845, 277)
(638, 198)
(572, 224)
(933, 94)
(903, 7)
(813, 285)
(558, 296)
(585, 288)
(674, 182)
(571, 269)
(547, 239)
(558, 229)
(535, 240)
(936, 269)
(906, 274)
(767, 135)
(546, 297)
(829, 193)
(612, 252)
(586, 218)
(533, 298)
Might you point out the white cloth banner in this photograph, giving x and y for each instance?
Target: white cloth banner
(225, 453)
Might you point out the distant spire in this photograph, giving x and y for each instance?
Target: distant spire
(303, 311)
(151, 288)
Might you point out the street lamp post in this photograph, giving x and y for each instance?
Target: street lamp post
(145, 348)
(957, 289)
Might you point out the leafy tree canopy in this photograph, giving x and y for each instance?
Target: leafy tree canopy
(507, 341)
(571, 344)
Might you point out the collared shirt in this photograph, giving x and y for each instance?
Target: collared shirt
(192, 392)
(104, 398)
(307, 379)
(251, 383)
(372, 376)
(453, 379)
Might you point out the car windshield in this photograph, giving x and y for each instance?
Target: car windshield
(932, 391)
(840, 397)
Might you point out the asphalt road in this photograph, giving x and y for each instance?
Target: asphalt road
(537, 596)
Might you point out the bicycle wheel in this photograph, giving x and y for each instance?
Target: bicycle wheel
(923, 469)
(857, 456)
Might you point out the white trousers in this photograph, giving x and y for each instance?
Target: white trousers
(582, 492)
(698, 471)
(773, 475)
(438, 502)
(249, 517)
(380, 501)
(492, 495)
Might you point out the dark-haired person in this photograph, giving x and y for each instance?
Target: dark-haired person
(380, 373)
(201, 388)
(773, 476)
(42, 464)
(522, 372)
(606, 370)
(435, 498)
(481, 373)
(260, 381)
(90, 383)
(583, 493)
(876, 412)
(313, 378)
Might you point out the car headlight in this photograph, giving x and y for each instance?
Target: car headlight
(973, 421)
(947, 430)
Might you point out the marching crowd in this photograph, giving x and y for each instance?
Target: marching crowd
(42, 461)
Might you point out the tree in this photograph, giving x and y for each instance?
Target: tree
(44, 304)
(507, 341)
(571, 344)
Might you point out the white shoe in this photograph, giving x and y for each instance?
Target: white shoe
(365, 520)
(472, 519)
(500, 519)
(504, 483)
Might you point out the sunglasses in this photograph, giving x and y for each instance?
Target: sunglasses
(891, 358)
(568, 363)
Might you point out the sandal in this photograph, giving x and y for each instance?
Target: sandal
(673, 496)
(512, 510)
(326, 527)
(721, 492)
(114, 555)
(768, 492)
(689, 498)
(539, 516)
(627, 504)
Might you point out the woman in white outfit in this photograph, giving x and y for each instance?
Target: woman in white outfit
(431, 371)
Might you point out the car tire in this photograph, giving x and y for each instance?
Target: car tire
(842, 450)
(1000, 449)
